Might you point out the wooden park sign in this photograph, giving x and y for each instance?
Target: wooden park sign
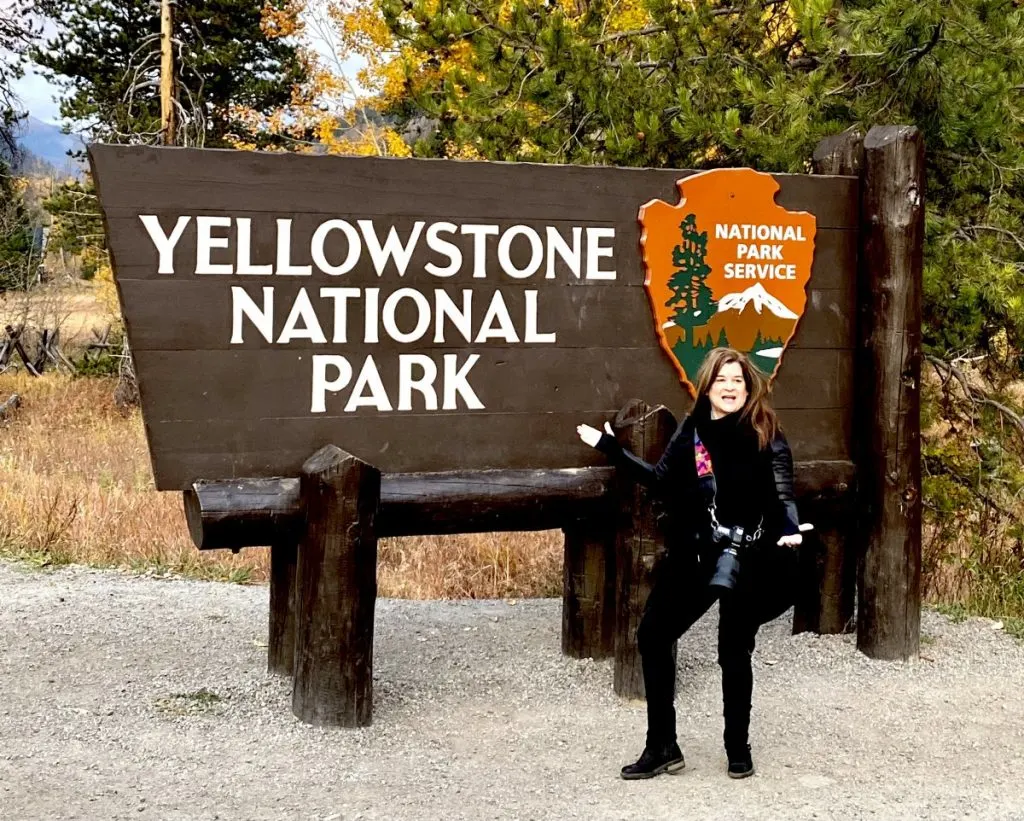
(334, 349)
(433, 316)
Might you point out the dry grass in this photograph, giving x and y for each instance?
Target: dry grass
(76, 308)
(76, 486)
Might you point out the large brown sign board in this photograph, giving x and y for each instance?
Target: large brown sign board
(424, 315)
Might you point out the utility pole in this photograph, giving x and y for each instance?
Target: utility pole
(167, 112)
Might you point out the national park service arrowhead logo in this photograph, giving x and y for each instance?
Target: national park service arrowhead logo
(726, 267)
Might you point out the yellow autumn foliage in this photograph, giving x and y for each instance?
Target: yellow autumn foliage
(106, 291)
(327, 107)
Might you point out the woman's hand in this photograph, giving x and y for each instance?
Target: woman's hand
(592, 436)
(797, 538)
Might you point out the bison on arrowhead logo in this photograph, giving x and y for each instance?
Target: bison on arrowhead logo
(726, 267)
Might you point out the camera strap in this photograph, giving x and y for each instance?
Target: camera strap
(708, 486)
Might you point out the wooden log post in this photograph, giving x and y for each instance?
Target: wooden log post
(640, 543)
(281, 633)
(832, 551)
(827, 585)
(14, 339)
(336, 590)
(888, 379)
(841, 154)
(588, 598)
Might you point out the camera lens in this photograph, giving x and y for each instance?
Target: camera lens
(727, 570)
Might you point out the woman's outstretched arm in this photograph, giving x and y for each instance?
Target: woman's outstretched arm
(638, 469)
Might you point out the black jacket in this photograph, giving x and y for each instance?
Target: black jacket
(762, 479)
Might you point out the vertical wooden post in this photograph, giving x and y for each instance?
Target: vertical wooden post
(167, 114)
(892, 213)
(640, 542)
(841, 154)
(827, 584)
(588, 598)
(281, 642)
(336, 590)
(839, 539)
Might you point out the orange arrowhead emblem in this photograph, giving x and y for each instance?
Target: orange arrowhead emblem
(726, 267)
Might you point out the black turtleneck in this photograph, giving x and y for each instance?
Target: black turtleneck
(732, 445)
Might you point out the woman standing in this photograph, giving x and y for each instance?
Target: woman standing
(727, 480)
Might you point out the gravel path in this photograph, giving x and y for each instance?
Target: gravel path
(128, 697)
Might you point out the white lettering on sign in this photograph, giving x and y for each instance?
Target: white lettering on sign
(243, 261)
(316, 250)
(206, 242)
(597, 250)
(332, 374)
(164, 243)
(443, 246)
(778, 233)
(244, 306)
(410, 315)
(571, 255)
(761, 242)
(505, 252)
(285, 268)
(392, 247)
(518, 252)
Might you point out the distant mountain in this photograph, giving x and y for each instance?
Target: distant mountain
(49, 143)
(759, 299)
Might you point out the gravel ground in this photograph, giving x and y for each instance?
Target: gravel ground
(130, 697)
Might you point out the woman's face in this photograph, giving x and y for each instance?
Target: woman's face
(728, 392)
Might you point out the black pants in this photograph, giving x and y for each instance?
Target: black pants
(681, 595)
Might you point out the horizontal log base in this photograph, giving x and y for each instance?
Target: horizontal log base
(259, 512)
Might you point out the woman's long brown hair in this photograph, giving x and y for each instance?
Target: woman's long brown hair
(757, 410)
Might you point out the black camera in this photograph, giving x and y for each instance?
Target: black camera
(727, 568)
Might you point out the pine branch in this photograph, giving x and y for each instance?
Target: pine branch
(975, 395)
(995, 229)
(625, 35)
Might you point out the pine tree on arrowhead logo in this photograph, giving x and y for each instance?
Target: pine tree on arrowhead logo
(726, 267)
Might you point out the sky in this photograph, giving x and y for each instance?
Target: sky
(36, 96)
(35, 93)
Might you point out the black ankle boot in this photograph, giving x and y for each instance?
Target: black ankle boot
(741, 764)
(666, 758)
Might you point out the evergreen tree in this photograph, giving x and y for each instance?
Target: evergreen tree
(106, 58)
(747, 83)
(18, 262)
(19, 258)
(77, 224)
(690, 292)
(717, 83)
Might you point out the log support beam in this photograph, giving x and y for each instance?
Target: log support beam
(640, 541)
(588, 597)
(888, 380)
(336, 591)
(281, 641)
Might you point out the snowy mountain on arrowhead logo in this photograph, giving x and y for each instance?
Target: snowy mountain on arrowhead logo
(758, 298)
